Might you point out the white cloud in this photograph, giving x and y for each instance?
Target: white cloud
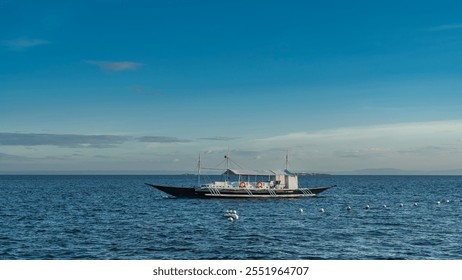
(425, 145)
(116, 66)
(445, 27)
(162, 139)
(402, 131)
(61, 140)
(219, 138)
(4, 156)
(142, 91)
(23, 43)
(410, 146)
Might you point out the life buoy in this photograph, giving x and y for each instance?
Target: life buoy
(259, 185)
(241, 185)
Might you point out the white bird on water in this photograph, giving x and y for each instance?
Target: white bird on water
(301, 210)
(321, 210)
(367, 206)
(348, 208)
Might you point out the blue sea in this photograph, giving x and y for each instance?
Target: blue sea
(118, 217)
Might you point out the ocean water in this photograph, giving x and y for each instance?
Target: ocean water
(118, 217)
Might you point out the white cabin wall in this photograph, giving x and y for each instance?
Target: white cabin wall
(281, 179)
(292, 182)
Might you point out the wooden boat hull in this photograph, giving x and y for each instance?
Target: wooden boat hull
(190, 192)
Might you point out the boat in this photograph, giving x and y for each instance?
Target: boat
(244, 183)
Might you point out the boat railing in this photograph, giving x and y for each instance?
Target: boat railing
(214, 191)
(249, 192)
(307, 192)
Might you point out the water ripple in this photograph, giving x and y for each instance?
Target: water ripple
(118, 217)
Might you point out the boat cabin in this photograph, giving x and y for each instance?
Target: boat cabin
(257, 179)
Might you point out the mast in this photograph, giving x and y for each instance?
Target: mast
(227, 166)
(199, 171)
(287, 160)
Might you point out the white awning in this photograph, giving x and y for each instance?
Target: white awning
(249, 172)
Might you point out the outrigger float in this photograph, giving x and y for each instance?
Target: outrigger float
(248, 184)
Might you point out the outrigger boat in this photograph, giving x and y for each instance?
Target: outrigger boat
(249, 184)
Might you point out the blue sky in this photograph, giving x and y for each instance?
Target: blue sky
(145, 86)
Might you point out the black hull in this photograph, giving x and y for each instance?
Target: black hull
(190, 192)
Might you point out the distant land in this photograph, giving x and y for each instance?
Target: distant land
(394, 171)
(311, 174)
